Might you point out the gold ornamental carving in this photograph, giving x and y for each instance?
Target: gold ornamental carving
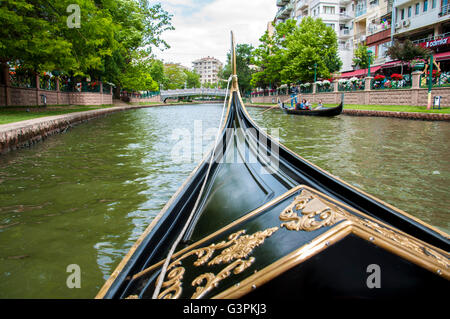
(234, 253)
(309, 212)
(314, 213)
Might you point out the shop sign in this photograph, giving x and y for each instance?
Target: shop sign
(435, 43)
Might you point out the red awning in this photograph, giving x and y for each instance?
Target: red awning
(442, 56)
(392, 64)
(360, 72)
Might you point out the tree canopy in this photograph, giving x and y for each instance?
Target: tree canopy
(289, 55)
(361, 57)
(111, 37)
(406, 51)
(243, 61)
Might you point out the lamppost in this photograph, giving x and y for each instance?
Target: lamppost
(370, 56)
(315, 72)
(430, 81)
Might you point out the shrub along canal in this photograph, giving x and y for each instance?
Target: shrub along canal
(84, 197)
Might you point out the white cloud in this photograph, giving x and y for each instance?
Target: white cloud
(203, 29)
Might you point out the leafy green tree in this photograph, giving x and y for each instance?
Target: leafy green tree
(112, 33)
(406, 51)
(311, 43)
(243, 70)
(361, 57)
(157, 71)
(270, 56)
(175, 77)
(192, 79)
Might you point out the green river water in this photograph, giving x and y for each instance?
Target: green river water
(84, 197)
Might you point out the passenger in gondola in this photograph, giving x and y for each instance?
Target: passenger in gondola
(319, 106)
(301, 105)
(307, 106)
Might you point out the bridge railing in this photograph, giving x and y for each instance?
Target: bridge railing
(194, 91)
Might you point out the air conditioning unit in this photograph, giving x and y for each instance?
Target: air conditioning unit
(398, 25)
(406, 23)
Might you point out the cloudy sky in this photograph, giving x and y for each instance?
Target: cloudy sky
(202, 27)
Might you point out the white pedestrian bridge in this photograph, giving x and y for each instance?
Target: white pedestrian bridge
(165, 94)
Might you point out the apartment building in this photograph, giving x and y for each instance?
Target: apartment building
(376, 24)
(208, 68)
(373, 21)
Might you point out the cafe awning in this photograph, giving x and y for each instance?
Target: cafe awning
(442, 56)
(360, 72)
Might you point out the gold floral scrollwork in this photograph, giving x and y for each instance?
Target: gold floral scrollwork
(212, 280)
(310, 211)
(314, 213)
(238, 247)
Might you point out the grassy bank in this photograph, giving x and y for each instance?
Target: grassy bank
(392, 108)
(16, 114)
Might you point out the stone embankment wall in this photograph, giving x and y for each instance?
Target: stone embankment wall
(401, 115)
(25, 133)
(417, 97)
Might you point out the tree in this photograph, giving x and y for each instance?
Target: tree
(175, 77)
(270, 55)
(243, 61)
(36, 35)
(311, 43)
(157, 71)
(406, 51)
(192, 79)
(137, 76)
(361, 57)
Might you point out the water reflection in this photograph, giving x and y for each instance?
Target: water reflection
(399, 161)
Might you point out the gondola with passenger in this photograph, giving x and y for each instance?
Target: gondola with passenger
(323, 111)
(255, 220)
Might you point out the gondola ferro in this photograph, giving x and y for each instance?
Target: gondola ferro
(256, 220)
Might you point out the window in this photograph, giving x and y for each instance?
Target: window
(433, 4)
(331, 25)
(409, 11)
(425, 5)
(417, 8)
(328, 10)
(403, 14)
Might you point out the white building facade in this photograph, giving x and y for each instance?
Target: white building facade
(208, 68)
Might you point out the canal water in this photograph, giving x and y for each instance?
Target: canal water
(84, 197)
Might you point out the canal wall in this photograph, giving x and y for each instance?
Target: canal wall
(415, 97)
(400, 115)
(25, 133)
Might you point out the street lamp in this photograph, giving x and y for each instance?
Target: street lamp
(370, 55)
(430, 81)
(315, 72)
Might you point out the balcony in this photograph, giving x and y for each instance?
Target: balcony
(343, 17)
(285, 11)
(360, 12)
(345, 33)
(432, 38)
(445, 10)
(281, 3)
(302, 4)
(360, 37)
